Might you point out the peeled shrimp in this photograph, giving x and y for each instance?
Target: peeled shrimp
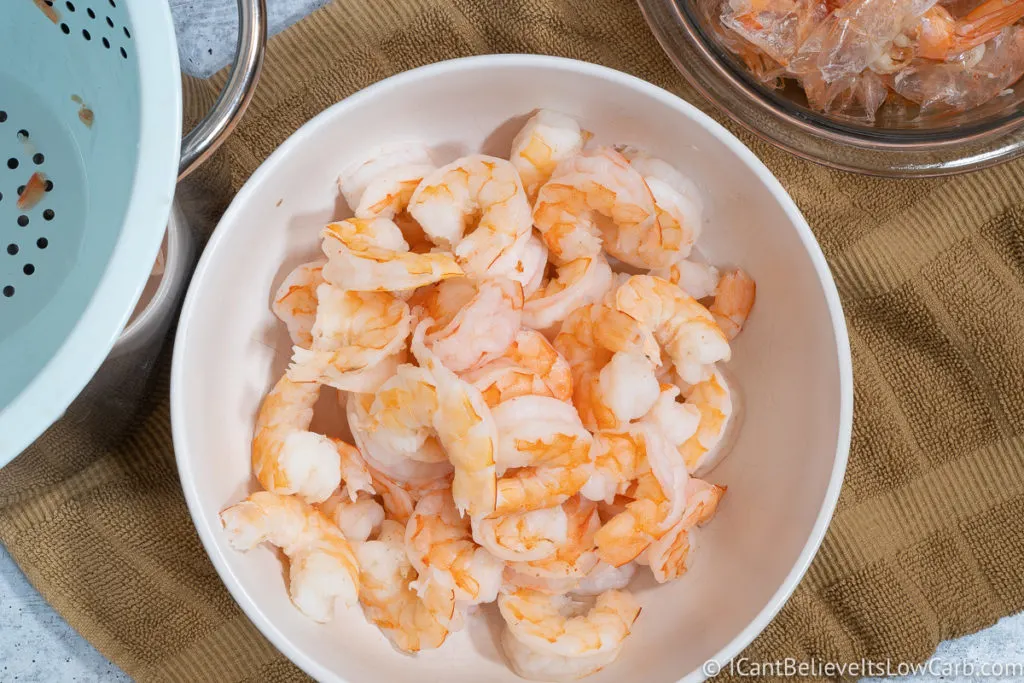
(440, 546)
(577, 283)
(476, 207)
(399, 497)
(529, 269)
(598, 197)
(604, 577)
(358, 517)
(699, 280)
(559, 630)
(523, 536)
(548, 138)
(383, 185)
(734, 299)
(411, 621)
(465, 427)
(295, 301)
(686, 331)
(712, 398)
(287, 458)
(354, 331)
(677, 200)
(322, 567)
(659, 499)
(484, 325)
(543, 454)
(572, 560)
(371, 255)
(669, 556)
(529, 366)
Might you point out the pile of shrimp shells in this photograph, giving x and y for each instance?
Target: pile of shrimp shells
(526, 420)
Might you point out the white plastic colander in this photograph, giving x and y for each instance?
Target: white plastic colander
(90, 100)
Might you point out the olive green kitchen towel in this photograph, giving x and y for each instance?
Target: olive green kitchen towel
(928, 539)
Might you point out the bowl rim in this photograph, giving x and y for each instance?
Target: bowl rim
(208, 530)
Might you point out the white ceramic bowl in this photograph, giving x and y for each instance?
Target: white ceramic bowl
(792, 362)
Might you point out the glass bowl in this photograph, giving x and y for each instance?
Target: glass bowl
(900, 144)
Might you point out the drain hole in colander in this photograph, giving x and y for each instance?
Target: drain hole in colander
(85, 34)
(21, 189)
(12, 163)
(110, 22)
(92, 15)
(12, 249)
(124, 53)
(3, 116)
(127, 34)
(106, 43)
(49, 185)
(112, 3)
(71, 7)
(28, 269)
(23, 220)
(65, 28)
(8, 291)
(42, 243)
(38, 158)
(48, 215)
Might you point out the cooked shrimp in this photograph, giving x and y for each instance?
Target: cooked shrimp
(628, 385)
(354, 473)
(295, 301)
(487, 324)
(287, 458)
(677, 421)
(572, 560)
(523, 536)
(465, 428)
(537, 666)
(529, 366)
(383, 184)
(577, 283)
(686, 331)
(548, 138)
(734, 299)
(940, 36)
(605, 577)
(699, 280)
(561, 626)
(354, 331)
(399, 497)
(712, 399)
(476, 207)
(322, 566)
(359, 517)
(677, 200)
(440, 546)
(411, 621)
(669, 556)
(659, 500)
(371, 255)
(543, 454)
(529, 268)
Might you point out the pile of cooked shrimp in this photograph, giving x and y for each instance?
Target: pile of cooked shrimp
(851, 56)
(530, 379)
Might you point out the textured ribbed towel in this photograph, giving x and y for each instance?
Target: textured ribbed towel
(928, 539)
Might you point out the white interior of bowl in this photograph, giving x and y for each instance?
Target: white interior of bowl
(792, 362)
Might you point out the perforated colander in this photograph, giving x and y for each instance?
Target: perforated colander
(90, 151)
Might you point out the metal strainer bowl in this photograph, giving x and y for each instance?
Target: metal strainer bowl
(90, 152)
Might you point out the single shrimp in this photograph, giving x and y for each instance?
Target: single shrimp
(523, 536)
(712, 399)
(466, 429)
(295, 301)
(359, 517)
(577, 283)
(606, 394)
(597, 196)
(287, 458)
(543, 455)
(371, 255)
(669, 555)
(686, 331)
(572, 560)
(560, 627)
(529, 366)
(411, 621)
(658, 500)
(384, 184)
(677, 200)
(440, 546)
(322, 568)
(677, 421)
(537, 666)
(699, 280)
(476, 207)
(485, 325)
(548, 138)
(529, 268)
(354, 331)
(939, 36)
(734, 299)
